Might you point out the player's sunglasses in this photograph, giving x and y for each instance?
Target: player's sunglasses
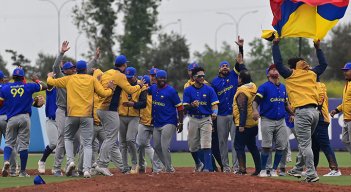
(199, 76)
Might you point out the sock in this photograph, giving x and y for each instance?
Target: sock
(46, 153)
(277, 158)
(200, 154)
(196, 157)
(7, 153)
(264, 159)
(208, 159)
(24, 158)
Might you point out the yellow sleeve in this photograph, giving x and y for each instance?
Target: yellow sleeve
(59, 82)
(339, 108)
(121, 81)
(99, 89)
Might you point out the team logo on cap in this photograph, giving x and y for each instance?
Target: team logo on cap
(162, 96)
(155, 71)
(17, 72)
(127, 72)
(227, 80)
(204, 95)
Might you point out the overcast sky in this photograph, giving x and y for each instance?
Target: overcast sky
(30, 26)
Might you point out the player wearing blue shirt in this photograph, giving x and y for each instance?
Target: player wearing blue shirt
(225, 86)
(51, 127)
(165, 104)
(19, 95)
(201, 102)
(272, 99)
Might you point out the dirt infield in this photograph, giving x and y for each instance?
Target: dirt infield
(183, 180)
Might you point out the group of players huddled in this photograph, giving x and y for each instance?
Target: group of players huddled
(105, 117)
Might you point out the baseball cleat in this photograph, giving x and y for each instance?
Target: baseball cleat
(273, 173)
(333, 173)
(294, 173)
(142, 170)
(41, 167)
(6, 169)
(13, 174)
(23, 174)
(87, 174)
(103, 171)
(311, 179)
(226, 170)
(58, 173)
(256, 173)
(134, 169)
(241, 173)
(199, 167)
(263, 173)
(70, 168)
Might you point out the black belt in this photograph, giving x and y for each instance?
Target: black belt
(308, 106)
(199, 116)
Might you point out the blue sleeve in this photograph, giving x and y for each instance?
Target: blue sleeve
(187, 96)
(175, 98)
(319, 69)
(34, 87)
(278, 61)
(213, 95)
(261, 91)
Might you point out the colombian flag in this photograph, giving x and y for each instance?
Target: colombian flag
(306, 18)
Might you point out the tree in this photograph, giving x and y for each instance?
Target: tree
(3, 66)
(20, 60)
(210, 59)
(97, 19)
(140, 17)
(171, 53)
(45, 62)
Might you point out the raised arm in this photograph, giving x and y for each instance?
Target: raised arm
(278, 61)
(141, 101)
(93, 63)
(59, 82)
(99, 89)
(319, 69)
(57, 65)
(239, 65)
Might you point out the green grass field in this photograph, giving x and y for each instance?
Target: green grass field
(179, 160)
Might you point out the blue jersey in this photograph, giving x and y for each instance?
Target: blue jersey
(164, 105)
(287, 121)
(3, 107)
(18, 97)
(225, 88)
(206, 97)
(273, 101)
(50, 107)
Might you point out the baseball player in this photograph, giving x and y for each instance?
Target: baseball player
(320, 137)
(301, 86)
(345, 108)
(3, 125)
(152, 75)
(80, 93)
(191, 80)
(18, 96)
(165, 105)
(201, 103)
(61, 101)
(107, 111)
(51, 127)
(272, 99)
(145, 131)
(225, 85)
(247, 127)
(129, 112)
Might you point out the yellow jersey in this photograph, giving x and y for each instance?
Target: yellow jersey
(249, 90)
(345, 106)
(301, 87)
(125, 97)
(323, 101)
(97, 100)
(80, 93)
(111, 103)
(145, 114)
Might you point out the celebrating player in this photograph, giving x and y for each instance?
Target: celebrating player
(301, 86)
(200, 101)
(165, 104)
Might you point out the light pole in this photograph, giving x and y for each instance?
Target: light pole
(179, 21)
(237, 22)
(219, 28)
(58, 10)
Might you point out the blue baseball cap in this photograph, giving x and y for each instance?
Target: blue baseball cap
(270, 68)
(38, 180)
(146, 79)
(67, 65)
(81, 65)
(193, 65)
(224, 63)
(153, 71)
(347, 66)
(120, 60)
(18, 72)
(130, 72)
(2, 75)
(161, 74)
